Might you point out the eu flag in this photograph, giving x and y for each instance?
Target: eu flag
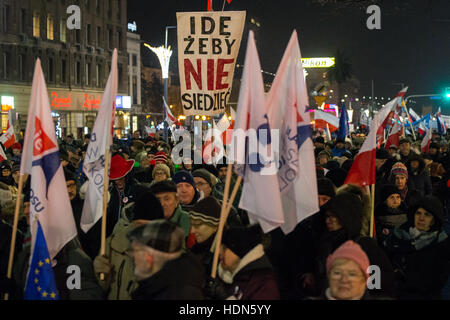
(41, 284)
(343, 124)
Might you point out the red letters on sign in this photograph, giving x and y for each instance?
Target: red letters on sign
(221, 74)
(189, 69)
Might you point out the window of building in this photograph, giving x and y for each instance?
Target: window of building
(51, 74)
(62, 31)
(6, 18)
(135, 90)
(63, 71)
(77, 36)
(110, 39)
(22, 67)
(99, 35)
(119, 39)
(50, 27)
(88, 34)
(119, 67)
(134, 63)
(36, 25)
(78, 73)
(97, 6)
(23, 20)
(118, 10)
(5, 65)
(97, 75)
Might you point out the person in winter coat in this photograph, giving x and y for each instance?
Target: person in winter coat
(418, 175)
(343, 222)
(187, 193)
(205, 218)
(245, 267)
(347, 273)
(420, 252)
(339, 148)
(161, 172)
(117, 264)
(7, 285)
(163, 270)
(399, 177)
(365, 200)
(166, 192)
(390, 212)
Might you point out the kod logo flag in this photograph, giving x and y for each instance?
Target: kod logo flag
(50, 210)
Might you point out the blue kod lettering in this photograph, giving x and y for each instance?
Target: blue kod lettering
(98, 179)
(93, 137)
(35, 202)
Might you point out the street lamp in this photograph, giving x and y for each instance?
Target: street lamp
(164, 54)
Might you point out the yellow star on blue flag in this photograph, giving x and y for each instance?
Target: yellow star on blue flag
(41, 284)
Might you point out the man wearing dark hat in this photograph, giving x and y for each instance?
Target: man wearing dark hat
(319, 142)
(117, 263)
(163, 270)
(405, 150)
(203, 181)
(187, 193)
(166, 192)
(6, 177)
(339, 148)
(434, 152)
(17, 152)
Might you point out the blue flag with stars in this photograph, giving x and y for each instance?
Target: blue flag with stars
(41, 284)
(343, 124)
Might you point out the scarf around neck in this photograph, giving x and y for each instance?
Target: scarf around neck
(421, 239)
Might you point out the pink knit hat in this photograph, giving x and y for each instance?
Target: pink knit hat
(352, 251)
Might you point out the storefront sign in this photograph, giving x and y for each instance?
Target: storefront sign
(74, 101)
(123, 102)
(208, 45)
(318, 62)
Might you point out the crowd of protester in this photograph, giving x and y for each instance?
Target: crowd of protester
(163, 220)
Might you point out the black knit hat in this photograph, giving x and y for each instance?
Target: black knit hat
(387, 190)
(382, 154)
(163, 186)
(147, 207)
(338, 140)
(69, 175)
(319, 140)
(5, 165)
(240, 240)
(207, 210)
(431, 204)
(337, 175)
(434, 145)
(204, 174)
(325, 187)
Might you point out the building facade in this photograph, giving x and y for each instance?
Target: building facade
(76, 63)
(134, 80)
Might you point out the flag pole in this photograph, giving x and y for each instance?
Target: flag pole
(14, 232)
(222, 221)
(412, 128)
(105, 203)
(372, 210)
(223, 7)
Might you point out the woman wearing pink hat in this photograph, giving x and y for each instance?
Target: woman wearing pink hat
(347, 273)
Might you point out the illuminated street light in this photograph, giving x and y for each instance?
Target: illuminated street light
(163, 55)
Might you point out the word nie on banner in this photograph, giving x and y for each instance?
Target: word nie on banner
(208, 45)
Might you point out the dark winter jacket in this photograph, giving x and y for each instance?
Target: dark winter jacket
(179, 279)
(419, 176)
(386, 219)
(5, 247)
(420, 273)
(70, 255)
(253, 279)
(204, 253)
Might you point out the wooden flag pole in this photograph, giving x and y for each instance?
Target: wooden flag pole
(14, 232)
(372, 211)
(412, 128)
(233, 195)
(222, 221)
(105, 204)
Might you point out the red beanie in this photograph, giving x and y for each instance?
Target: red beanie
(16, 146)
(352, 251)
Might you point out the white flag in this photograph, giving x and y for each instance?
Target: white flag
(40, 158)
(287, 102)
(94, 162)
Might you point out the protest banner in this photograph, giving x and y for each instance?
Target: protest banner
(208, 46)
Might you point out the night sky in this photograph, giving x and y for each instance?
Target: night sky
(413, 46)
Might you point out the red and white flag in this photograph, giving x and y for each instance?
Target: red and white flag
(362, 171)
(3, 156)
(388, 111)
(321, 119)
(94, 162)
(40, 159)
(8, 138)
(287, 102)
(260, 194)
(169, 116)
(394, 135)
(425, 145)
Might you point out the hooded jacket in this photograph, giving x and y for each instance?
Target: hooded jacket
(419, 176)
(421, 259)
(253, 279)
